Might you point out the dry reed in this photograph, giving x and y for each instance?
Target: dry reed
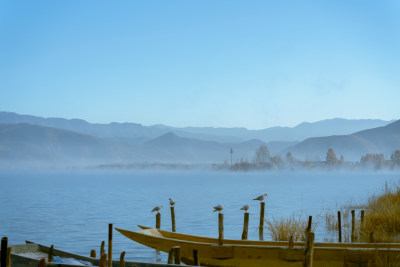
(281, 229)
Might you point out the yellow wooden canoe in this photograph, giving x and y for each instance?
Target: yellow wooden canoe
(245, 253)
(211, 240)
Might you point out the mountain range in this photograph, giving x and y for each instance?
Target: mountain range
(37, 140)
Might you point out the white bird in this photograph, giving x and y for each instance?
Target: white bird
(261, 198)
(157, 208)
(218, 208)
(245, 208)
(171, 202)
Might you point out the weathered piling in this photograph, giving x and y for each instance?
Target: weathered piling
(174, 255)
(171, 256)
(220, 228)
(42, 263)
(122, 259)
(51, 253)
(261, 227)
(102, 249)
(371, 237)
(362, 223)
(8, 261)
(103, 260)
(309, 224)
(196, 257)
(4, 244)
(339, 226)
(173, 218)
(177, 255)
(93, 253)
(353, 226)
(291, 242)
(158, 220)
(308, 249)
(245, 226)
(110, 237)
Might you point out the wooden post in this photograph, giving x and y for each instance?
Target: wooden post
(245, 226)
(171, 256)
(291, 242)
(362, 224)
(158, 220)
(353, 226)
(8, 263)
(93, 253)
(177, 255)
(220, 228)
(371, 237)
(309, 224)
(308, 250)
(261, 228)
(51, 253)
(102, 250)
(122, 259)
(42, 263)
(110, 236)
(196, 257)
(103, 260)
(339, 226)
(173, 218)
(4, 245)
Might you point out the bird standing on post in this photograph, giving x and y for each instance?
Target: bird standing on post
(218, 208)
(158, 208)
(260, 198)
(245, 208)
(171, 202)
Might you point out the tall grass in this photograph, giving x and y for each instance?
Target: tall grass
(383, 214)
(382, 217)
(281, 229)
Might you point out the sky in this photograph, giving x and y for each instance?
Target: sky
(226, 63)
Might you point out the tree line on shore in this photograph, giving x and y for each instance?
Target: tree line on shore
(264, 161)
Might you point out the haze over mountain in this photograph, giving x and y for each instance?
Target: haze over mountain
(136, 133)
(56, 141)
(34, 145)
(384, 140)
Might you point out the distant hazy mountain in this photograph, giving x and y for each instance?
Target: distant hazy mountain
(41, 145)
(384, 140)
(132, 133)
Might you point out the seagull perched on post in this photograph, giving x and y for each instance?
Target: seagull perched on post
(261, 198)
(171, 202)
(218, 208)
(245, 208)
(157, 208)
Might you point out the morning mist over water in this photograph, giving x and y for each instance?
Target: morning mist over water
(66, 208)
(108, 109)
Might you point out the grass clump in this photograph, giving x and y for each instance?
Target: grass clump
(382, 218)
(383, 214)
(281, 229)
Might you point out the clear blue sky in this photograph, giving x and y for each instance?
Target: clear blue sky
(253, 64)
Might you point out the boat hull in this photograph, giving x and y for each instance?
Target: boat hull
(211, 254)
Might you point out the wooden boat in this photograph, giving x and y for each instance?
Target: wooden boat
(263, 253)
(211, 240)
(28, 255)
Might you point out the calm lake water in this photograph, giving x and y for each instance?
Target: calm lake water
(72, 209)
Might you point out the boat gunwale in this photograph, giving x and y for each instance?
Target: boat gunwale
(274, 243)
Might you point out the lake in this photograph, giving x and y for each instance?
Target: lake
(72, 209)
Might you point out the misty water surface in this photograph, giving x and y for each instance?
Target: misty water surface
(72, 209)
